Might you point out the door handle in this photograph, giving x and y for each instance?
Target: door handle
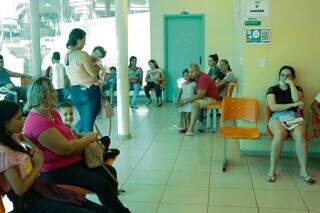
(200, 60)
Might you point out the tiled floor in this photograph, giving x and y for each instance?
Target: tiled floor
(163, 171)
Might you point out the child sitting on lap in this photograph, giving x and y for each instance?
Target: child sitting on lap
(66, 112)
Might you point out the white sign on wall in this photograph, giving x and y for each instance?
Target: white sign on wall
(257, 8)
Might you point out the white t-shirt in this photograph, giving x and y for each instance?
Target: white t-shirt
(58, 74)
(317, 98)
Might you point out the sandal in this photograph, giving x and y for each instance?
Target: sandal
(309, 180)
(183, 130)
(189, 133)
(271, 178)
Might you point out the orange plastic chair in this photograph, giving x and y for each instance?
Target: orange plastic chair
(77, 189)
(244, 109)
(214, 108)
(2, 209)
(316, 125)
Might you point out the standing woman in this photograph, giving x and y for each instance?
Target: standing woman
(85, 91)
(153, 77)
(135, 80)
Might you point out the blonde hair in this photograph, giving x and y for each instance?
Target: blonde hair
(37, 93)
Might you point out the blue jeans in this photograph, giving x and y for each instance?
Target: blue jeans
(88, 103)
(21, 92)
(62, 94)
(136, 89)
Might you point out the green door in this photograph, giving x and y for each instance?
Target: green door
(183, 45)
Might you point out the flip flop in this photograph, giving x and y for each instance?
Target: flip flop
(189, 133)
(309, 180)
(271, 178)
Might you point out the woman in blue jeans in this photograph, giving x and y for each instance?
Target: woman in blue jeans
(83, 74)
(135, 80)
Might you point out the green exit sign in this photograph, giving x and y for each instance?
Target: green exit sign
(252, 22)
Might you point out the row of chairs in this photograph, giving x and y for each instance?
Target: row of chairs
(247, 109)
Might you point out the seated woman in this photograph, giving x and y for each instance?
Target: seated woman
(62, 158)
(315, 106)
(152, 78)
(135, 80)
(228, 78)
(110, 84)
(19, 172)
(284, 99)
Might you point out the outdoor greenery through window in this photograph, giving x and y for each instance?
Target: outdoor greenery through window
(58, 18)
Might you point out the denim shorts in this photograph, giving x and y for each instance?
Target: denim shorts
(276, 115)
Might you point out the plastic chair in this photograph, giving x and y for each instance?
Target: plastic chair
(214, 108)
(2, 209)
(316, 125)
(77, 189)
(238, 109)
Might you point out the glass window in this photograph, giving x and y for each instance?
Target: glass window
(59, 17)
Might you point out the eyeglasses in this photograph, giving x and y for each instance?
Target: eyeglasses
(284, 75)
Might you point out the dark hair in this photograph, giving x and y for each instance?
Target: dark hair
(8, 111)
(114, 68)
(101, 50)
(227, 63)
(215, 57)
(184, 71)
(131, 59)
(66, 104)
(75, 35)
(154, 62)
(56, 56)
(1, 57)
(293, 72)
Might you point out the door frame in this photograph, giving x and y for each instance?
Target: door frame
(165, 39)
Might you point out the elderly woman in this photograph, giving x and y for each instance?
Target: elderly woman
(284, 99)
(62, 158)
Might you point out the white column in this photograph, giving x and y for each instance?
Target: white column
(35, 38)
(122, 80)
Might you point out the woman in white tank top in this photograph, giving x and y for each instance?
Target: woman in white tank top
(83, 75)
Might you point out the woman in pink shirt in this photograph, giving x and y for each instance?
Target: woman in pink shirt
(19, 172)
(62, 150)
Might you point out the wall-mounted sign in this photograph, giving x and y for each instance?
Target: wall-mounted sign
(258, 36)
(257, 8)
(252, 22)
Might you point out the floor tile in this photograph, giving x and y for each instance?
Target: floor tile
(228, 209)
(186, 195)
(264, 210)
(232, 197)
(142, 193)
(149, 177)
(227, 180)
(279, 199)
(189, 178)
(141, 207)
(181, 208)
